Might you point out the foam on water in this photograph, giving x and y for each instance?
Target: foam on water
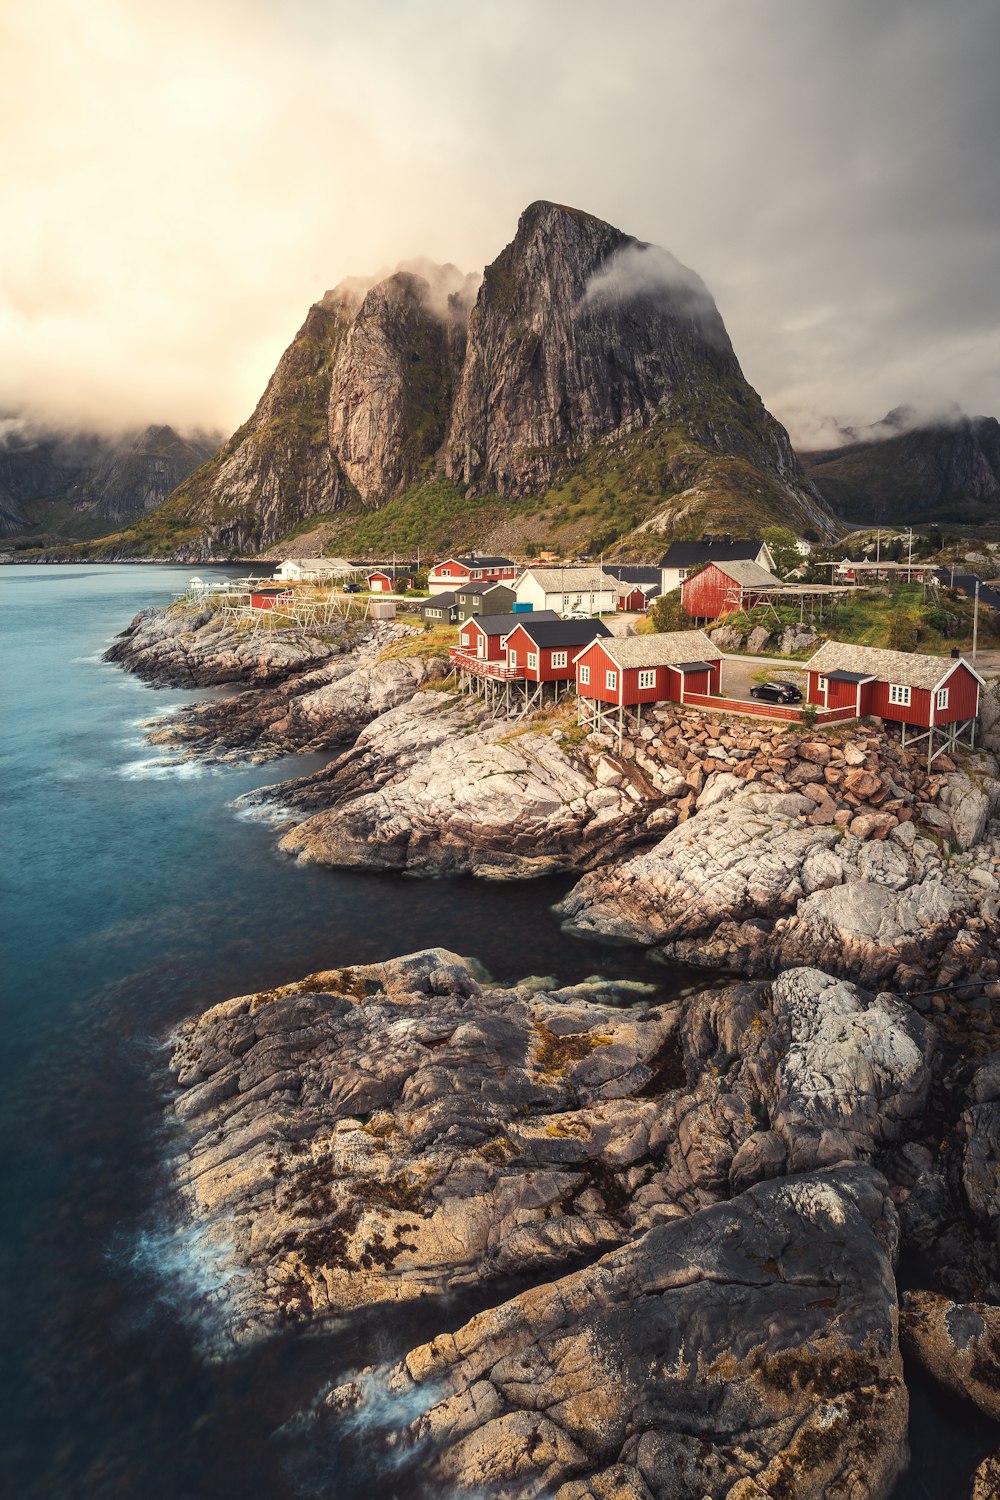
(160, 768)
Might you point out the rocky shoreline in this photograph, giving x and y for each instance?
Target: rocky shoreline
(710, 1198)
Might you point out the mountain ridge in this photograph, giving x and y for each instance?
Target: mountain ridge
(586, 382)
(942, 471)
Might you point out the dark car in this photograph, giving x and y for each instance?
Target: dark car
(777, 692)
(352, 588)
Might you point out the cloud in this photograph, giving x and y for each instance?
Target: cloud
(639, 272)
(178, 183)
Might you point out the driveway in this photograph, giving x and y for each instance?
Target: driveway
(739, 673)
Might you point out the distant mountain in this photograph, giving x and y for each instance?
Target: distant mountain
(941, 472)
(588, 387)
(56, 486)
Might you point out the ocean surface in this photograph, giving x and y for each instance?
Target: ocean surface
(133, 895)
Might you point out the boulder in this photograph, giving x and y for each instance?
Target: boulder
(958, 1343)
(643, 1374)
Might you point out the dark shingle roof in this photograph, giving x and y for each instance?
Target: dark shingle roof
(556, 632)
(479, 560)
(710, 549)
(504, 624)
(441, 601)
(639, 575)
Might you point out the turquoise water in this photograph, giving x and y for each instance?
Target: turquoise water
(132, 895)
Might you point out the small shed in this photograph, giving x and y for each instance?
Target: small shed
(389, 580)
(270, 598)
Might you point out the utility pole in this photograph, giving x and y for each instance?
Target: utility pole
(975, 624)
(878, 546)
(909, 559)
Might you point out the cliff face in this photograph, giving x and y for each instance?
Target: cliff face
(56, 483)
(581, 334)
(936, 473)
(392, 384)
(581, 338)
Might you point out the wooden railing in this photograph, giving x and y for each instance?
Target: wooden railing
(480, 667)
(758, 708)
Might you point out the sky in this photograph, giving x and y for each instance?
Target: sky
(179, 182)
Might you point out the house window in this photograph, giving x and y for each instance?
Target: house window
(647, 679)
(559, 658)
(533, 660)
(942, 697)
(611, 681)
(821, 683)
(512, 657)
(585, 676)
(467, 640)
(899, 695)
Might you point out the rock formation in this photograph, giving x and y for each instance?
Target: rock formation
(381, 1133)
(581, 337)
(57, 485)
(938, 473)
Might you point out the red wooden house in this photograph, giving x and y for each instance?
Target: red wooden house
(484, 636)
(618, 674)
(544, 648)
(389, 580)
(270, 598)
(722, 588)
(476, 568)
(933, 694)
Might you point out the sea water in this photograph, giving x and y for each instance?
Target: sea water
(132, 896)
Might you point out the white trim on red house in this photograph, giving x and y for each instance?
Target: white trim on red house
(954, 668)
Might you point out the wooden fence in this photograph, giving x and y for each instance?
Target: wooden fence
(758, 709)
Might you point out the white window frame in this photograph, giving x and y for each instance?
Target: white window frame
(941, 699)
(899, 695)
(821, 684)
(647, 677)
(611, 681)
(583, 673)
(532, 661)
(467, 641)
(560, 658)
(511, 657)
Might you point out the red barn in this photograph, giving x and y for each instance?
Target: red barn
(545, 648)
(389, 581)
(722, 588)
(938, 695)
(644, 669)
(270, 598)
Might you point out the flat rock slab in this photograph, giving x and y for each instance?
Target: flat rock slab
(385, 1132)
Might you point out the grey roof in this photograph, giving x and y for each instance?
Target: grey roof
(905, 668)
(667, 649)
(390, 571)
(545, 632)
(693, 666)
(572, 580)
(748, 573)
(441, 601)
(504, 624)
(854, 677)
(480, 590)
(478, 560)
(710, 549)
